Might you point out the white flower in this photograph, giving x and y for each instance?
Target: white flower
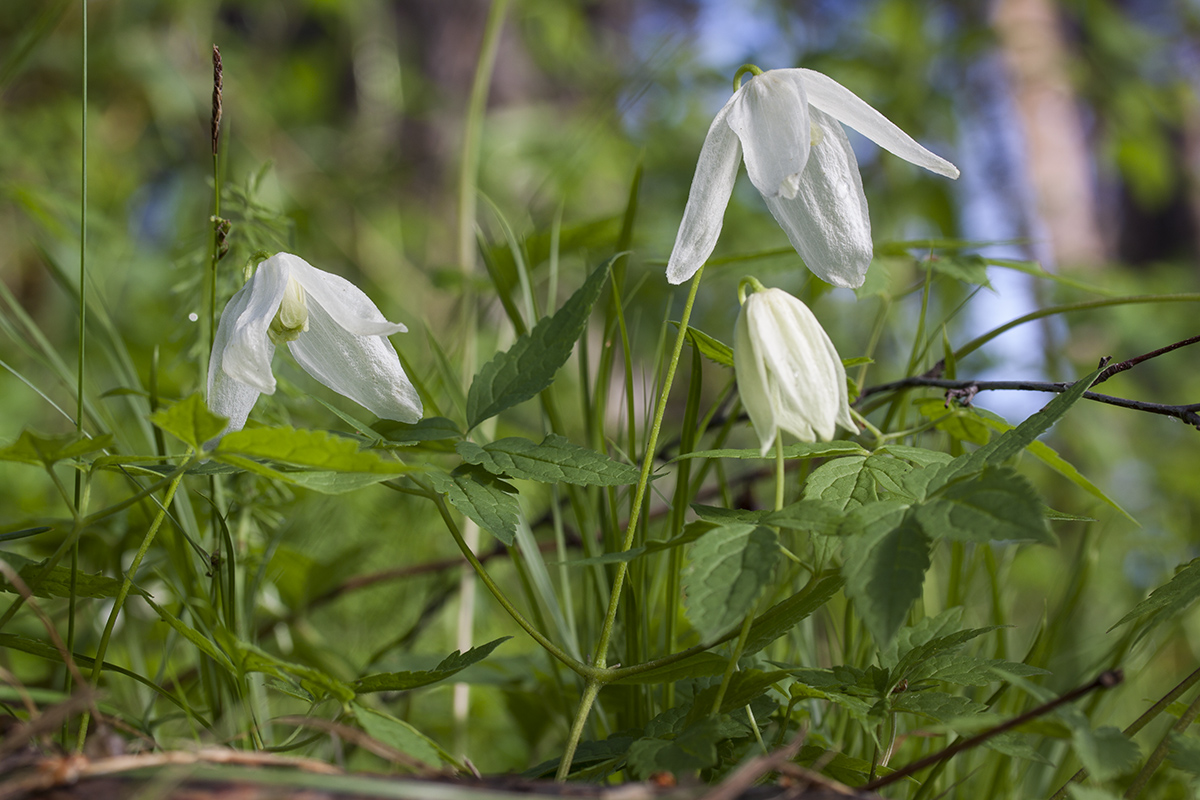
(785, 122)
(789, 375)
(334, 331)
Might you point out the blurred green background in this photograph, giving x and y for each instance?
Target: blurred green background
(1075, 124)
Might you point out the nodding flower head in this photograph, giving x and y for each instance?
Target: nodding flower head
(334, 332)
(784, 124)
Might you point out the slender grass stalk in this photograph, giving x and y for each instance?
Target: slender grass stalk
(122, 594)
(467, 214)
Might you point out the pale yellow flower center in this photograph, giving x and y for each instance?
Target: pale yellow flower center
(816, 133)
(291, 319)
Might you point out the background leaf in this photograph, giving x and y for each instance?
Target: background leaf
(731, 567)
(552, 461)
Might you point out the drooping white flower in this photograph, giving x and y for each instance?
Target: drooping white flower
(333, 330)
(789, 375)
(784, 123)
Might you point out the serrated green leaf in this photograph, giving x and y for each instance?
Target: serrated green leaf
(797, 450)
(397, 734)
(427, 430)
(782, 617)
(255, 659)
(1105, 752)
(29, 448)
(1050, 457)
(996, 504)
(963, 670)
(554, 460)
(1007, 445)
(936, 705)
(190, 421)
(57, 582)
(917, 455)
(714, 350)
(731, 567)
(530, 364)
(699, 665)
(483, 497)
(694, 749)
(913, 663)
(884, 575)
(926, 630)
(810, 516)
(316, 450)
(1185, 752)
(744, 686)
(856, 480)
(1170, 599)
(403, 681)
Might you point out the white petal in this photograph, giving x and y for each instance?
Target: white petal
(228, 396)
(791, 340)
(751, 375)
(828, 95)
(364, 368)
(344, 301)
(770, 116)
(246, 354)
(827, 221)
(716, 171)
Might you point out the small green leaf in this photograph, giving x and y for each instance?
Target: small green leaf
(190, 421)
(995, 505)
(782, 617)
(857, 480)
(1169, 600)
(699, 665)
(1048, 456)
(29, 448)
(57, 582)
(315, 450)
(809, 516)
(936, 705)
(1105, 752)
(917, 455)
(694, 749)
(451, 665)
(1185, 752)
(797, 450)
(714, 350)
(552, 461)
(530, 364)
(884, 575)
(958, 422)
(427, 430)
(202, 642)
(731, 567)
(968, 268)
(397, 734)
(483, 497)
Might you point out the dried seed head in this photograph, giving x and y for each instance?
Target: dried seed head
(216, 103)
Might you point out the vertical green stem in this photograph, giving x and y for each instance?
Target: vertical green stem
(1160, 752)
(467, 191)
(119, 603)
(79, 372)
(600, 657)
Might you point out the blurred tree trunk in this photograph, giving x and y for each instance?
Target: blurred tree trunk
(1056, 149)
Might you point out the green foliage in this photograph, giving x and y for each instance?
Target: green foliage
(483, 497)
(190, 421)
(528, 367)
(449, 666)
(732, 567)
(554, 460)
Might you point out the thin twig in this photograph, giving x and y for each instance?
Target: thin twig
(1133, 362)
(1187, 413)
(1107, 680)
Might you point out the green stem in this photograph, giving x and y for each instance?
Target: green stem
(119, 603)
(590, 690)
(1160, 752)
(731, 667)
(600, 657)
(579, 667)
(79, 371)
